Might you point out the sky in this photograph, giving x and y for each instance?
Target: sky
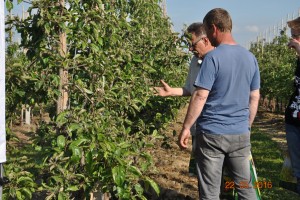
(250, 18)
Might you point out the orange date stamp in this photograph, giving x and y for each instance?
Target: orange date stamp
(245, 185)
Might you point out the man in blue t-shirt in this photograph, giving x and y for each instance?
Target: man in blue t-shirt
(224, 105)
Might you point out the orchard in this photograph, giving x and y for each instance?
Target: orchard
(85, 69)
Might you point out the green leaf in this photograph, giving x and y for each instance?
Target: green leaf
(100, 41)
(20, 93)
(38, 85)
(77, 143)
(76, 154)
(89, 158)
(154, 133)
(77, 56)
(74, 127)
(94, 47)
(17, 65)
(9, 5)
(136, 171)
(61, 141)
(61, 118)
(24, 179)
(55, 80)
(58, 179)
(138, 188)
(19, 195)
(118, 174)
(61, 196)
(137, 59)
(62, 25)
(72, 188)
(87, 91)
(38, 148)
(153, 185)
(27, 192)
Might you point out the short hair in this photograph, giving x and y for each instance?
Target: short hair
(197, 28)
(220, 18)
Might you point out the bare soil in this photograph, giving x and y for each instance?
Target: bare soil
(172, 166)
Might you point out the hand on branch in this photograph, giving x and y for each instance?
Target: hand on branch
(163, 91)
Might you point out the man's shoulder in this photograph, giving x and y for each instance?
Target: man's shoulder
(237, 50)
(194, 62)
(194, 59)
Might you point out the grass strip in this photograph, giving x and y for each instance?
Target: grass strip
(268, 160)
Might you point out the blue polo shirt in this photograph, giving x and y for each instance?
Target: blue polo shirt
(229, 72)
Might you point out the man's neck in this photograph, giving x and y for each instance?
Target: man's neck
(226, 38)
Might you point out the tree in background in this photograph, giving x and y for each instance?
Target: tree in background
(277, 65)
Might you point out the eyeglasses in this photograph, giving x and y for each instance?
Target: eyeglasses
(193, 45)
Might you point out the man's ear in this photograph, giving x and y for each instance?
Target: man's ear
(214, 27)
(206, 41)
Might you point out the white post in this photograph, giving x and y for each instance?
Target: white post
(2, 88)
(2, 85)
(27, 113)
(293, 16)
(270, 34)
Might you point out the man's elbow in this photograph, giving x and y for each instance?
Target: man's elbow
(255, 95)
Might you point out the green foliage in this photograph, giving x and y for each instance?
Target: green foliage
(15, 79)
(22, 184)
(277, 65)
(116, 51)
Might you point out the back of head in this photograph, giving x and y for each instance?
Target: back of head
(220, 18)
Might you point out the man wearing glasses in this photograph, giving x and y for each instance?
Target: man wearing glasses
(200, 46)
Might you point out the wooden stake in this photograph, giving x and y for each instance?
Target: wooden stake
(62, 102)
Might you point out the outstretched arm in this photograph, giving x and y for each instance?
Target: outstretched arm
(166, 90)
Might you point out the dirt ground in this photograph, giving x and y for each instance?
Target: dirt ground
(172, 166)
(172, 163)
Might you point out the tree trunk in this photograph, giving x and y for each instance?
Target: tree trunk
(62, 101)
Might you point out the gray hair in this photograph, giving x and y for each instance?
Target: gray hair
(197, 28)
